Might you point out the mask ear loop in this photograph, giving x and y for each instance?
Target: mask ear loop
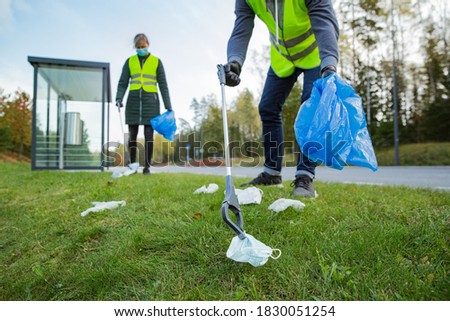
(275, 256)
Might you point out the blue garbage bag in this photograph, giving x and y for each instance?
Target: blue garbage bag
(165, 124)
(331, 126)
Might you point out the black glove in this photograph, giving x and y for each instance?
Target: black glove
(328, 70)
(119, 103)
(232, 72)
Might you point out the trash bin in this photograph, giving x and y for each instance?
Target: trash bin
(74, 129)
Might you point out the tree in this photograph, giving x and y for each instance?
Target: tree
(288, 116)
(163, 150)
(247, 113)
(436, 122)
(184, 132)
(213, 130)
(17, 116)
(5, 133)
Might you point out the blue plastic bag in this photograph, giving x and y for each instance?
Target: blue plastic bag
(165, 124)
(331, 126)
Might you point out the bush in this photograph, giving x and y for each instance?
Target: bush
(427, 154)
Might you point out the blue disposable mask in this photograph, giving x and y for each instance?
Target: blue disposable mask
(251, 250)
(142, 52)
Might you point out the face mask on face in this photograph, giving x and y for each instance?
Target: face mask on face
(251, 250)
(142, 52)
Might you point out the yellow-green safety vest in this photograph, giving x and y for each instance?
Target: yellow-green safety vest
(144, 77)
(296, 44)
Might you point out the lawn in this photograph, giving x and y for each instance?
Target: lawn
(351, 243)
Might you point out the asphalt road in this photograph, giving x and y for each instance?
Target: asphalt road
(434, 177)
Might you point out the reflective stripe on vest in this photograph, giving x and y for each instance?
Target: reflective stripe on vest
(296, 46)
(144, 77)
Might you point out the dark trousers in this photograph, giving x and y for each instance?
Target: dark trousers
(275, 92)
(132, 143)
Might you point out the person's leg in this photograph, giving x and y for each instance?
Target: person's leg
(275, 92)
(148, 133)
(132, 144)
(304, 165)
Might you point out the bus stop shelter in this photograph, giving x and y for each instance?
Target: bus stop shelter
(70, 114)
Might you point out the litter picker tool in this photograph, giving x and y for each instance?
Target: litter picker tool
(131, 168)
(244, 247)
(231, 202)
(125, 149)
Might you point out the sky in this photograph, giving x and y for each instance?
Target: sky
(190, 38)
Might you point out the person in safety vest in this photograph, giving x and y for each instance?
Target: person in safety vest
(142, 73)
(304, 40)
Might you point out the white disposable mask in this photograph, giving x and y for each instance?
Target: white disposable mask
(251, 250)
(250, 195)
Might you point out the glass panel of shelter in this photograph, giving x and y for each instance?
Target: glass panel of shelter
(52, 109)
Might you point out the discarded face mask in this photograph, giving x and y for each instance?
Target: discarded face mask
(251, 250)
(212, 188)
(283, 203)
(129, 170)
(116, 174)
(100, 206)
(250, 195)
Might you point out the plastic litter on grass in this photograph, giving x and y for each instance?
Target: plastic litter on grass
(101, 206)
(127, 170)
(212, 188)
(283, 203)
(250, 250)
(250, 195)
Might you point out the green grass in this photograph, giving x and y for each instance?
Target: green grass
(427, 154)
(351, 243)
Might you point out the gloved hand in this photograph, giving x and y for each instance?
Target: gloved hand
(232, 72)
(119, 103)
(328, 70)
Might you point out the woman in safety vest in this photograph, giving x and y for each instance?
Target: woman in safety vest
(142, 73)
(303, 36)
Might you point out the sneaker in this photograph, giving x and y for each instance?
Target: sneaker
(264, 179)
(146, 171)
(303, 187)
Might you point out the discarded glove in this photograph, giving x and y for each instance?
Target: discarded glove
(100, 206)
(251, 250)
(212, 188)
(283, 203)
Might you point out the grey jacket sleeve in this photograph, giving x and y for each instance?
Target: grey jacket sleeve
(162, 83)
(123, 81)
(242, 32)
(326, 29)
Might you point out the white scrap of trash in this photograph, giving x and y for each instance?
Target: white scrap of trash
(212, 188)
(283, 203)
(251, 250)
(250, 195)
(100, 206)
(128, 170)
